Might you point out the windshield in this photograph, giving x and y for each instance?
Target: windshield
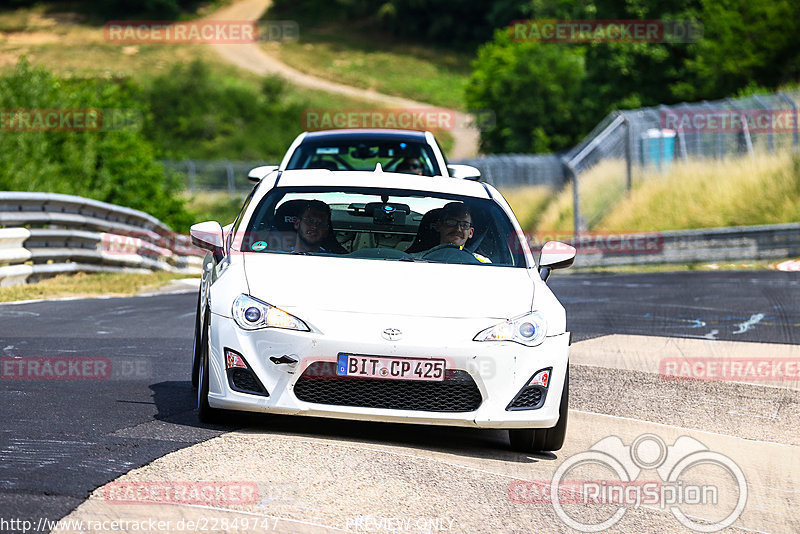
(383, 224)
(364, 155)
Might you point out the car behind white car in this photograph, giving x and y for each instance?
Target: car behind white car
(382, 297)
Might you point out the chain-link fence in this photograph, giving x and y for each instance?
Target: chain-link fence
(517, 170)
(624, 143)
(215, 175)
(646, 139)
(655, 138)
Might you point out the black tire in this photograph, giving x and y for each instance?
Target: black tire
(544, 439)
(205, 412)
(196, 346)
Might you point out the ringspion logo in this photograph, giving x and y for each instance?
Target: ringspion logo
(591, 491)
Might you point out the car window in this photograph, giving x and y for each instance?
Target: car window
(383, 224)
(394, 156)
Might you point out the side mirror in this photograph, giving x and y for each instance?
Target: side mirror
(257, 174)
(555, 255)
(208, 236)
(464, 172)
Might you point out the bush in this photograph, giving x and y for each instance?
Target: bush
(119, 167)
(532, 88)
(196, 115)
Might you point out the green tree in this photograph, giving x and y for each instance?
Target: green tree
(532, 89)
(112, 166)
(745, 43)
(194, 114)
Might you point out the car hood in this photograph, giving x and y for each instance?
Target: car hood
(388, 287)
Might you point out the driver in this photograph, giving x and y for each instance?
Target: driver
(312, 227)
(410, 166)
(455, 227)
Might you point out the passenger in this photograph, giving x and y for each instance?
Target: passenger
(312, 227)
(455, 227)
(410, 166)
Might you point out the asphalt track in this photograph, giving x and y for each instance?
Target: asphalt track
(62, 439)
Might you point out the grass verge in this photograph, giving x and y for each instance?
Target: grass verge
(669, 268)
(89, 285)
(600, 189)
(214, 206)
(359, 57)
(744, 191)
(741, 191)
(528, 203)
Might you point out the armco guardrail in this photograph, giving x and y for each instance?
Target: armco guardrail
(46, 234)
(734, 244)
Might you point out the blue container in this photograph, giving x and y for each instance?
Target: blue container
(658, 148)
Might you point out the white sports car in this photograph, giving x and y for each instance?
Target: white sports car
(382, 297)
(363, 149)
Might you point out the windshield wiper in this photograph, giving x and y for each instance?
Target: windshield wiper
(421, 260)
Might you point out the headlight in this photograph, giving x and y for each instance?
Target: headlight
(252, 314)
(529, 329)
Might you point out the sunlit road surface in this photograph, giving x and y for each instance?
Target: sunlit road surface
(321, 475)
(318, 475)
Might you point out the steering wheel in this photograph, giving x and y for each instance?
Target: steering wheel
(450, 253)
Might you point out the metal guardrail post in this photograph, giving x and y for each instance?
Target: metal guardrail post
(628, 163)
(770, 141)
(231, 183)
(795, 141)
(192, 175)
(576, 224)
(719, 131)
(745, 128)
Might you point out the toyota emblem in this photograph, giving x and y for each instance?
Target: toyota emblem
(392, 334)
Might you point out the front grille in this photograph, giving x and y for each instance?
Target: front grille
(244, 381)
(529, 398)
(456, 393)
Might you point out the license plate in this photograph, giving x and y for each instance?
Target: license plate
(390, 368)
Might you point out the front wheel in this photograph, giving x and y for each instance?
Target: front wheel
(205, 412)
(196, 344)
(544, 439)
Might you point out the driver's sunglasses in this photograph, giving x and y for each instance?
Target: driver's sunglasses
(415, 166)
(462, 225)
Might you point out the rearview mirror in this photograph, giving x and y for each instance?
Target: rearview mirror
(555, 255)
(464, 172)
(257, 174)
(208, 236)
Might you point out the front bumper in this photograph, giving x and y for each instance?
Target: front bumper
(499, 369)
